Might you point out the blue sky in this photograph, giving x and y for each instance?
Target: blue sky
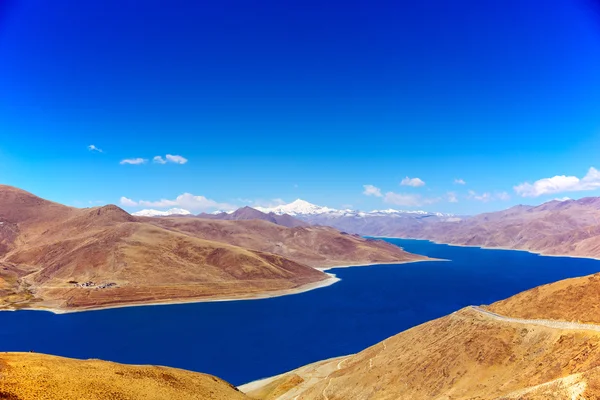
(273, 100)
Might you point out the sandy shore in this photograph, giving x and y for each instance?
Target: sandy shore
(380, 263)
(276, 293)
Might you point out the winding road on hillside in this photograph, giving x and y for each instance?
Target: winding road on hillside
(323, 371)
(555, 324)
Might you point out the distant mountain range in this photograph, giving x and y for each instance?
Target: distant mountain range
(304, 209)
(249, 213)
(371, 223)
(559, 227)
(303, 213)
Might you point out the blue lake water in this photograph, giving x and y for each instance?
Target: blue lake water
(241, 341)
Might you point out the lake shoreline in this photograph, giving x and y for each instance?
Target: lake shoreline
(332, 279)
(490, 248)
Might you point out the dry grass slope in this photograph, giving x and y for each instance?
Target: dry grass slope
(26, 376)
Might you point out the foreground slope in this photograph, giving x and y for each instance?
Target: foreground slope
(530, 346)
(58, 257)
(38, 376)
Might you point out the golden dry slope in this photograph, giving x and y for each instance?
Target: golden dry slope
(471, 354)
(25, 376)
(58, 257)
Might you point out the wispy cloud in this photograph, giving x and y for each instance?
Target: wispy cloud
(169, 158)
(414, 182)
(488, 196)
(124, 201)
(92, 147)
(452, 197)
(459, 181)
(176, 159)
(560, 184)
(370, 190)
(133, 161)
(185, 200)
(408, 200)
(268, 203)
(504, 196)
(485, 197)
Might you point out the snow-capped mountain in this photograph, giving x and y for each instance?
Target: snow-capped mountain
(297, 207)
(223, 212)
(157, 213)
(388, 222)
(304, 208)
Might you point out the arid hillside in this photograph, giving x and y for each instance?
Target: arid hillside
(530, 346)
(317, 246)
(58, 257)
(37, 376)
(557, 227)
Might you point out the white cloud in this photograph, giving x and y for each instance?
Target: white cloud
(269, 203)
(169, 158)
(92, 147)
(562, 199)
(176, 159)
(408, 200)
(459, 182)
(414, 182)
(560, 184)
(503, 196)
(133, 161)
(124, 201)
(487, 196)
(452, 197)
(371, 190)
(185, 200)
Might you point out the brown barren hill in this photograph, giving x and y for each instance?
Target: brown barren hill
(37, 376)
(317, 246)
(64, 258)
(534, 345)
(568, 227)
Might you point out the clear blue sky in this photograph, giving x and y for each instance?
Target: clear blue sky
(285, 99)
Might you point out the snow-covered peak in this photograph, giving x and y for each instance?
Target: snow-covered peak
(157, 213)
(304, 208)
(222, 212)
(297, 207)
